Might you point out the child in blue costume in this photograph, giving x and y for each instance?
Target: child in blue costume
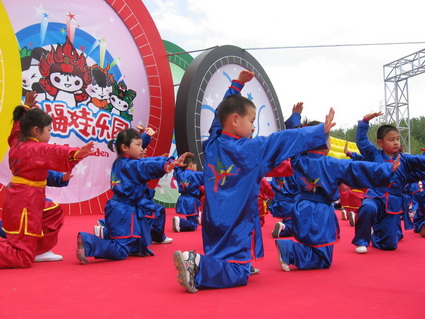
(285, 188)
(234, 166)
(419, 217)
(381, 207)
(189, 182)
(314, 222)
(124, 217)
(154, 212)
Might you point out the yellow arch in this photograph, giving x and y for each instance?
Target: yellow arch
(10, 77)
(337, 148)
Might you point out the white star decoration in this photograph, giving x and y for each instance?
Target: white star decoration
(39, 10)
(209, 100)
(108, 171)
(81, 169)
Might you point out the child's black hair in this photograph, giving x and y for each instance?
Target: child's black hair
(123, 138)
(384, 130)
(30, 118)
(307, 122)
(188, 160)
(233, 104)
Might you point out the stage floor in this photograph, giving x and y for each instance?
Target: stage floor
(379, 284)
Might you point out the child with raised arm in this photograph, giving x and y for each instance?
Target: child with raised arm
(315, 225)
(125, 219)
(234, 166)
(189, 182)
(285, 188)
(153, 212)
(382, 207)
(30, 159)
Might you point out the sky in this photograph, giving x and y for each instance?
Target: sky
(348, 78)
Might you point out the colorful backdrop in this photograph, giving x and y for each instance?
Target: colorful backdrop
(98, 67)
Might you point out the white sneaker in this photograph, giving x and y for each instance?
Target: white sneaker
(278, 228)
(176, 224)
(167, 240)
(361, 249)
(47, 256)
(98, 231)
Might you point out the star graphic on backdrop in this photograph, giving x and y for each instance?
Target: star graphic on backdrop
(45, 15)
(39, 11)
(249, 95)
(88, 184)
(71, 16)
(107, 171)
(209, 100)
(81, 169)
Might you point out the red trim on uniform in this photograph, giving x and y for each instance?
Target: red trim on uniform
(316, 246)
(317, 152)
(231, 135)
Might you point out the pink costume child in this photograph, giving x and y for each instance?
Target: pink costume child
(30, 159)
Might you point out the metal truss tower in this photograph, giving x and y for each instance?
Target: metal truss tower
(396, 75)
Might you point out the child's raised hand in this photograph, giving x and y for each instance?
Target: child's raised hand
(178, 162)
(396, 163)
(85, 150)
(150, 131)
(328, 121)
(371, 116)
(67, 176)
(245, 76)
(30, 99)
(298, 108)
(141, 128)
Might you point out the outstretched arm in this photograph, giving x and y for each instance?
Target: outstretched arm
(84, 151)
(365, 146)
(178, 162)
(295, 119)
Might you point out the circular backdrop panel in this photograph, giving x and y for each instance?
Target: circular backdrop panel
(203, 87)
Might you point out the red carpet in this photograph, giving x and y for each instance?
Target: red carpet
(379, 284)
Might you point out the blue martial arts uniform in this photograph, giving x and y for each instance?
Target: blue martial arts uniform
(188, 203)
(419, 218)
(381, 207)
(124, 216)
(234, 167)
(286, 194)
(285, 189)
(314, 222)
